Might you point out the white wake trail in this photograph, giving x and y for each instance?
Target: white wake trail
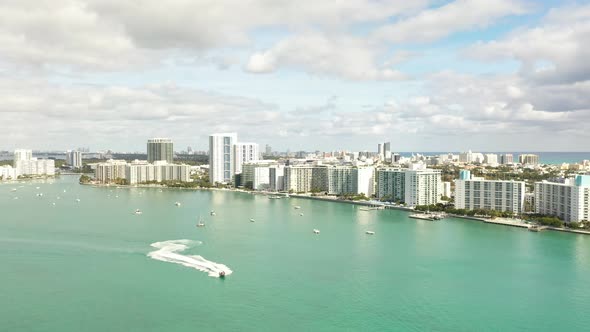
(170, 251)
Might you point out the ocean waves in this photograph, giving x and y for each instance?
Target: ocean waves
(171, 252)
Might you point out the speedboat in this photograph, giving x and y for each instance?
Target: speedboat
(138, 211)
(370, 232)
(222, 274)
(201, 223)
(316, 231)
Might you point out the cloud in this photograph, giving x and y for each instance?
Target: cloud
(348, 57)
(460, 15)
(549, 53)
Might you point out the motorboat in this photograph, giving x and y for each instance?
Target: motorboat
(138, 211)
(301, 214)
(212, 213)
(252, 220)
(274, 197)
(77, 199)
(201, 223)
(177, 203)
(370, 232)
(222, 274)
(316, 231)
(297, 207)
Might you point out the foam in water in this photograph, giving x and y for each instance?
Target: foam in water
(170, 251)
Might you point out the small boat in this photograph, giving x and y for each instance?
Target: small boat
(370, 232)
(252, 220)
(316, 231)
(13, 189)
(301, 214)
(39, 194)
(138, 211)
(222, 274)
(77, 199)
(297, 207)
(37, 188)
(201, 223)
(212, 213)
(177, 203)
(64, 190)
(274, 197)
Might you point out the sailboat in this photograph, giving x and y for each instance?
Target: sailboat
(201, 223)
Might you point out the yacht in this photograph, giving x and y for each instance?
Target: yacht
(370, 232)
(201, 223)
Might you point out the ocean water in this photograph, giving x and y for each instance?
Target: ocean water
(94, 265)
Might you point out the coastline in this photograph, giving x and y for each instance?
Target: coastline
(380, 205)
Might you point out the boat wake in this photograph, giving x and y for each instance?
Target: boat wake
(171, 252)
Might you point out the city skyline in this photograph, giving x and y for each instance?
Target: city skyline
(347, 74)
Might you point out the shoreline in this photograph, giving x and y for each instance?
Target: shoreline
(381, 205)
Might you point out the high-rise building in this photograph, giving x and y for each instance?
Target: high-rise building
(414, 186)
(25, 164)
(141, 171)
(244, 153)
(569, 201)
(491, 159)
(473, 193)
(528, 159)
(221, 165)
(22, 154)
(267, 150)
(74, 158)
(506, 159)
(7, 172)
(160, 149)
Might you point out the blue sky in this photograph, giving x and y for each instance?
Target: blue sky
(427, 75)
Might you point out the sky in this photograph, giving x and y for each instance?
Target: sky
(489, 75)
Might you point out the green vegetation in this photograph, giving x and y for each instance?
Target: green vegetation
(85, 179)
(354, 197)
(121, 181)
(463, 212)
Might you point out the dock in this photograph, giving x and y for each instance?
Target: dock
(508, 223)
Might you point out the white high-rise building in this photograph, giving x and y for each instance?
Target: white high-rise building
(74, 158)
(364, 178)
(141, 171)
(256, 175)
(22, 154)
(110, 171)
(8, 172)
(244, 153)
(491, 159)
(422, 186)
(473, 193)
(506, 159)
(528, 159)
(569, 201)
(416, 185)
(221, 165)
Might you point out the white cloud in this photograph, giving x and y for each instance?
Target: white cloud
(459, 15)
(349, 57)
(550, 53)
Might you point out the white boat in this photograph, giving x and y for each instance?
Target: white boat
(177, 203)
(370, 232)
(297, 207)
(64, 190)
(212, 213)
(13, 189)
(274, 197)
(138, 211)
(39, 194)
(37, 188)
(77, 199)
(316, 231)
(252, 220)
(301, 214)
(201, 223)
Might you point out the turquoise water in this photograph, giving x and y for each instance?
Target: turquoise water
(544, 157)
(83, 266)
